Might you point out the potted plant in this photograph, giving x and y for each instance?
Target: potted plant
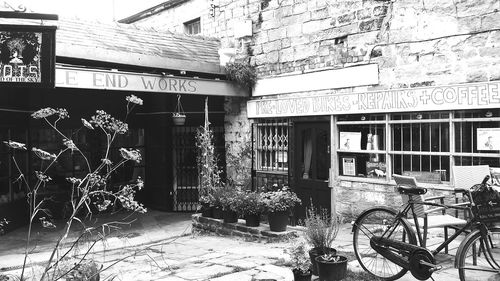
(277, 205)
(331, 267)
(178, 116)
(227, 199)
(242, 73)
(76, 269)
(205, 206)
(301, 265)
(217, 197)
(320, 232)
(250, 206)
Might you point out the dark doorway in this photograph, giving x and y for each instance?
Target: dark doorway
(312, 165)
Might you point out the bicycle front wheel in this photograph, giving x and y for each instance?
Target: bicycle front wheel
(374, 222)
(478, 259)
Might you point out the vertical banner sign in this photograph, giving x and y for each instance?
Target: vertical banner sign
(27, 55)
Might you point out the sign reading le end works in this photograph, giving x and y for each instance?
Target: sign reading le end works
(461, 96)
(27, 55)
(71, 77)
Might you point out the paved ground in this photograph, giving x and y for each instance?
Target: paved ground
(160, 246)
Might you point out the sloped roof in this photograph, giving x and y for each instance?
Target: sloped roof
(131, 45)
(128, 44)
(152, 11)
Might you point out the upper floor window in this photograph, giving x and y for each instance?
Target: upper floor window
(192, 27)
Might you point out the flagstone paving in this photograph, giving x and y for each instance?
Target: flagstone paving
(162, 248)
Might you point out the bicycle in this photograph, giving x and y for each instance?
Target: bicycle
(386, 245)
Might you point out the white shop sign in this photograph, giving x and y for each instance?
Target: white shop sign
(461, 96)
(359, 75)
(70, 77)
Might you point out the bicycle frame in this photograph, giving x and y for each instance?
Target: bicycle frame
(410, 206)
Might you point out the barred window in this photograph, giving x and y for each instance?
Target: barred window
(271, 147)
(420, 142)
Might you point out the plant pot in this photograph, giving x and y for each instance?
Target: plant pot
(230, 216)
(300, 276)
(278, 221)
(330, 270)
(252, 220)
(206, 211)
(217, 212)
(179, 120)
(316, 252)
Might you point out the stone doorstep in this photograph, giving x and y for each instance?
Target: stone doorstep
(239, 228)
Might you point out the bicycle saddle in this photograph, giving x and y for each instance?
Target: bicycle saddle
(411, 190)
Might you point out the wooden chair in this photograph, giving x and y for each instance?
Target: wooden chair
(466, 176)
(429, 217)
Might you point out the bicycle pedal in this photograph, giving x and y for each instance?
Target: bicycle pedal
(435, 268)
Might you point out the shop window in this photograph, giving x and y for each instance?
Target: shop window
(477, 137)
(192, 27)
(421, 143)
(271, 147)
(361, 146)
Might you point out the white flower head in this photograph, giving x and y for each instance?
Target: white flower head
(134, 99)
(74, 180)
(42, 177)
(131, 154)
(70, 144)
(87, 124)
(106, 161)
(15, 145)
(44, 155)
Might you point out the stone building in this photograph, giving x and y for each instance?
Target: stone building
(351, 92)
(95, 66)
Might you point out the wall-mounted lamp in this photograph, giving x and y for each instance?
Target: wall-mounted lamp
(363, 118)
(419, 116)
(488, 114)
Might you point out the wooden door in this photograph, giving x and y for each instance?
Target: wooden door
(312, 165)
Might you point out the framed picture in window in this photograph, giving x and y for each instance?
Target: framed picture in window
(488, 138)
(349, 166)
(350, 140)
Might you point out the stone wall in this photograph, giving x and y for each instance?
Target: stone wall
(238, 137)
(354, 196)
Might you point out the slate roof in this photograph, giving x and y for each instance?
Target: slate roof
(130, 45)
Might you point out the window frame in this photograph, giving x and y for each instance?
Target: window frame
(190, 25)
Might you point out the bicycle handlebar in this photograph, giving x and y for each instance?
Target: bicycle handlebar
(486, 179)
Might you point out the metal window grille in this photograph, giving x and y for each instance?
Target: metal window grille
(421, 142)
(271, 138)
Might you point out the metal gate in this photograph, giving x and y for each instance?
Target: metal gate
(185, 170)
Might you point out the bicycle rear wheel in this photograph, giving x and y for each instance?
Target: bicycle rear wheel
(374, 222)
(474, 260)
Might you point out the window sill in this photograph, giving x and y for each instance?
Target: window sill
(383, 181)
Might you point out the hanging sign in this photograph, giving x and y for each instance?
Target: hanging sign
(27, 55)
(461, 96)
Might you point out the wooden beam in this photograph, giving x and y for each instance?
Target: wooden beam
(21, 15)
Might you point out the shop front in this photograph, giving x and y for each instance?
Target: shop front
(83, 82)
(422, 132)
